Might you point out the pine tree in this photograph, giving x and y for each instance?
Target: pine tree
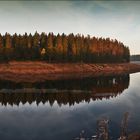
(36, 40)
(8, 41)
(1, 41)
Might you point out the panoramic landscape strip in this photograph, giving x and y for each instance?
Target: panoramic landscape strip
(39, 57)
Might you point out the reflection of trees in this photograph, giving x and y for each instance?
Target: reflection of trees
(63, 92)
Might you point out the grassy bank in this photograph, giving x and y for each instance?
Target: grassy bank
(39, 71)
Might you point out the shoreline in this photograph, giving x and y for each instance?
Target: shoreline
(37, 71)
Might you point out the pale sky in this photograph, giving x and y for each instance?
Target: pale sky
(115, 19)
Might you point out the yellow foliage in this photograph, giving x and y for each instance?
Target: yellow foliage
(43, 51)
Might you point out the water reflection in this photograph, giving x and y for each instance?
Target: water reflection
(63, 91)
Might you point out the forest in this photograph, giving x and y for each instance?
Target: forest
(61, 48)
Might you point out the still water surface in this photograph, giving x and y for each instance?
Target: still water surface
(60, 110)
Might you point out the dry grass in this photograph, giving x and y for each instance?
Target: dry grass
(29, 71)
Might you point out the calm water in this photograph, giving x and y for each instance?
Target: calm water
(60, 110)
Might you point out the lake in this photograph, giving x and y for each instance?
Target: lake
(60, 110)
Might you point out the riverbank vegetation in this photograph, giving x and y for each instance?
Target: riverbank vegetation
(41, 71)
(61, 48)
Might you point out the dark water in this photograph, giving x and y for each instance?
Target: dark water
(60, 110)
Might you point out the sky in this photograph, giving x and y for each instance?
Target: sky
(114, 19)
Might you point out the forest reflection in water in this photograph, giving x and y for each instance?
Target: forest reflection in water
(63, 91)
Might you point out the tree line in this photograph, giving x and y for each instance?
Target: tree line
(135, 57)
(61, 48)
